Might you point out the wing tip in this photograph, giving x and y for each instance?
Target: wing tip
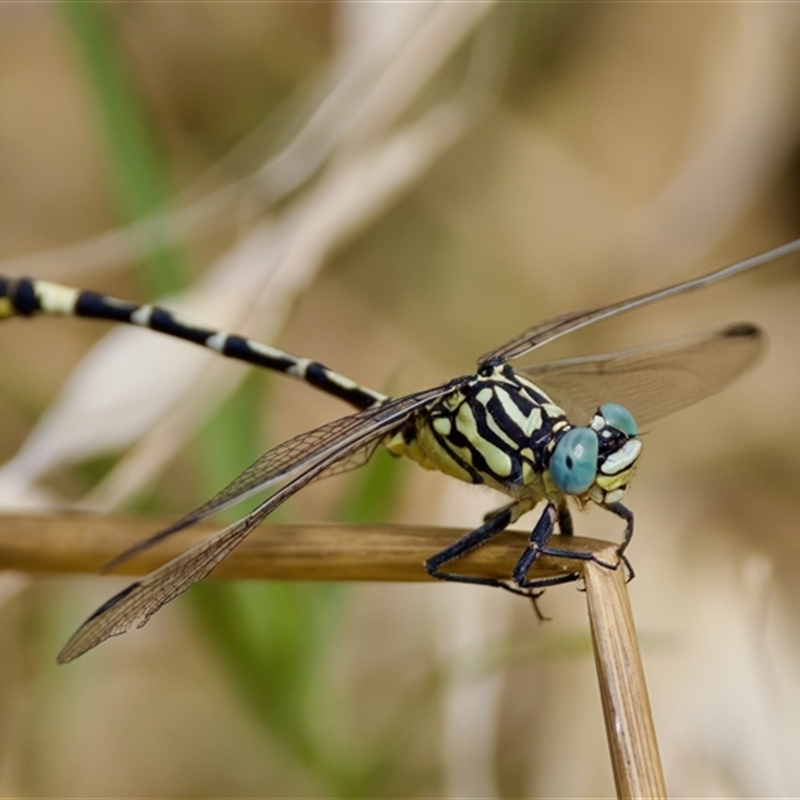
(79, 643)
(744, 330)
(749, 336)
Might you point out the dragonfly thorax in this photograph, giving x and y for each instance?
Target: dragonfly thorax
(494, 428)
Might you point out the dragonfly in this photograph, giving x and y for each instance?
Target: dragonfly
(549, 432)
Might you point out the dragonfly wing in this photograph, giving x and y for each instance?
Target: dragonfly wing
(140, 600)
(355, 461)
(275, 465)
(292, 456)
(650, 381)
(558, 326)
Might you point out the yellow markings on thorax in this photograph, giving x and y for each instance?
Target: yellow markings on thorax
(459, 440)
(6, 308)
(442, 425)
(529, 424)
(484, 397)
(426, 450)
(552, 410)
(497, 460)
(491, 423)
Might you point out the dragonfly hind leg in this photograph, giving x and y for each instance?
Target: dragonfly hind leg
(493, 524)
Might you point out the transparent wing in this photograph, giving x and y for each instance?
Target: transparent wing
(314, 453)
(650, 381)
(355, 461)
(275, 465)
(293, 456)
(558, 326)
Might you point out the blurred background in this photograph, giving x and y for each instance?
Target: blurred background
(394, 189)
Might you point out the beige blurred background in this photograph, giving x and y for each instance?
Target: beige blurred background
(394, 189)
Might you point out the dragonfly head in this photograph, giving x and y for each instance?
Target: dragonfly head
(598, 462)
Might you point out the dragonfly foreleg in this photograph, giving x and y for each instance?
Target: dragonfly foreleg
(540, 536)
(539, 545)
(626, 514)
(565, 527)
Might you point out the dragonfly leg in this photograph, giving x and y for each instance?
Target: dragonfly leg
(565, 527)
(540, 536)
(508, 507)
(496, 523)
(539, 545)
(626, 514)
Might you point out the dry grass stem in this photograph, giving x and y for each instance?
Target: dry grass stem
(626, 706)
(83, 543)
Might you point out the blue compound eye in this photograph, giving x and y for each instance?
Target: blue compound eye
(620, 418)
(573, 465)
